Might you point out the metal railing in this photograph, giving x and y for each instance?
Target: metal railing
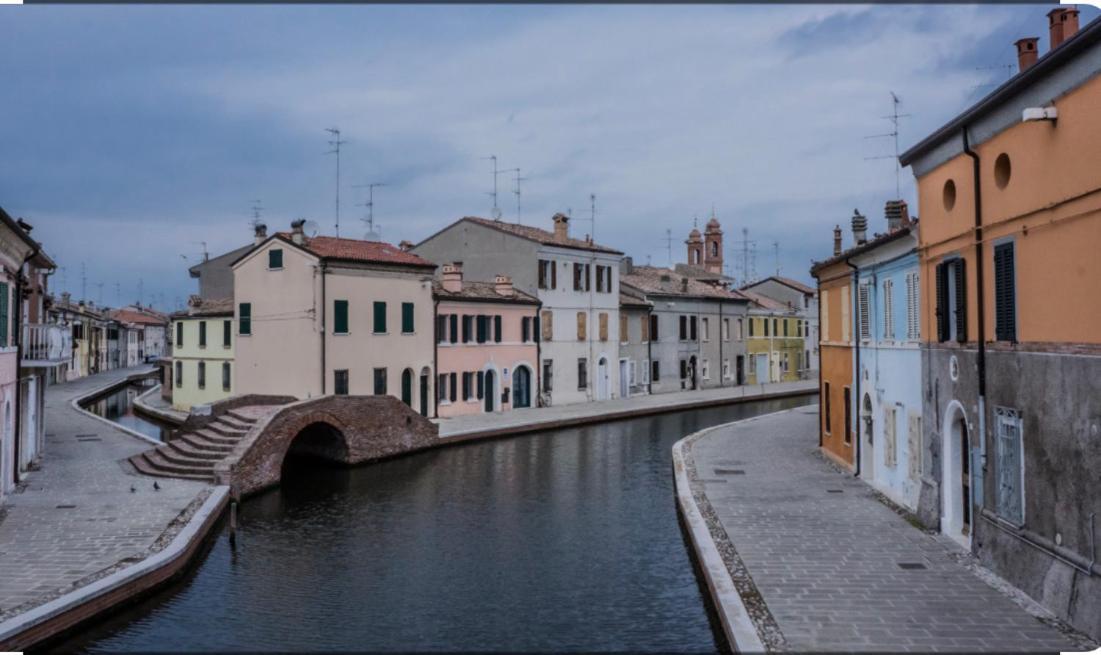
(47, 342)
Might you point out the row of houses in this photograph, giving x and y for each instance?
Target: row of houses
(482, 316)
(98, 339)
(960, 354)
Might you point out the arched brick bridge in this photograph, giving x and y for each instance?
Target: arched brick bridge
(244, 440)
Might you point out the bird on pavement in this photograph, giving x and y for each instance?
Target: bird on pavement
(132, 489)
(156, 487)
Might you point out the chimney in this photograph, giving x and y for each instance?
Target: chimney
(66, 297)
(261, 231)
(561, 227)
(1062, 24)
(298, 235)
(898, 214)
(626, 265)
(27, 227)
(502, 284)
(684, 284)
(406, 245)
(452, 277)
(860, 228)
(1026, 52)
(836, 240)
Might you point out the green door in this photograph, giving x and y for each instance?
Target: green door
(407, 387)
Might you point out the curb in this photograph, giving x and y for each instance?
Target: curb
(166, 416)
(741, 633)
(75, 403)
(63, 613)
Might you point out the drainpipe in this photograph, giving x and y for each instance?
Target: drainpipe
(819, 342)
(650, 350)
(436, 359)
(856, 376)
(537, 330)
(324, 270)
(980, 298)
(17, 336)
(719, 329)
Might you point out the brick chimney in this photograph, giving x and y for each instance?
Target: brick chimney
(406, 245)
(261, 232)
(836, 240)
(561, 227)
(860, 228)
(298, 234)
(684, 284)
(1062, 24)
(451, 276)
(898, 214)
(502, 284)
(1027, 54)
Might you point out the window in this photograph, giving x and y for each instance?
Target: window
(497, 329)
(226, 378)
(726, 329)
(441, 328)
(525, 329)
(1010, 465)
(602, 322)
(380, 317)
(784, 363)
(548, 275)
(441, 387)
(244, 321)
(785, 324)
(407, 324)
(890, 438)
(741, 330)
(227, 332)
(846, 311)
(380, 381)
(546, 326)
(581, 332)
(646, 371)
(548, 375)
(468, 328)
(453, 385)
(775, 332)
(179, 374)
(826, 408)
(340, 317)
(683, 369)
(275, 258)
(765, 321)
(888, 309)
(580, 277)
(179, 333)
(655, 370)
(202, 375)
(631, 373)
(751, 327)
(453, 319)
(683, 328)
(340, 382)
(705, 329)
(692, 328)
(1005, 293)
(623, 329)
(726, 368)
(600, 288)
(653, 327)
(824, 307)
(705, 369)
(847, 398)
(468, 379)
(644, 328)
(913, 319)
(481, 322)
(582, 374)
(951, 307)
(863, 302)
(917, 453)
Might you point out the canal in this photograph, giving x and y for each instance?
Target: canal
(561, 541)
(118, 406)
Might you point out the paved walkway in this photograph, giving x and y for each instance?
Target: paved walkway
(76, 516)
(826, 556)
(536, 417)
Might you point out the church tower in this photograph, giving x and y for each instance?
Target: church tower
(695, 248)
(713, 246)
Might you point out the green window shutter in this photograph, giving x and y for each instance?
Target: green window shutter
(202, 334)
(179, 333)
(380, 317)
(407, 317)
(245, 313)
(275, 258)
(497, 328)
(3, 314)
(340, 317)
(227, 331)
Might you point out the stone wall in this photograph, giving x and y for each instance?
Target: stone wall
(195, 421)
(372, 427)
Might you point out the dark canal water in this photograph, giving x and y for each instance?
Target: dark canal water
(118, 406)
(560, 541)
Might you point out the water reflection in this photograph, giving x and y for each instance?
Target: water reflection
(118, 406)
(561, 541)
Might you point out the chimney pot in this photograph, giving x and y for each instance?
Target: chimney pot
(561, 227)
(406, 245)
(836, 240)
(502, 284)
(261, 232)
(1069, 19)
(1027, 54)
(452, 277)
(860, 227)
(897, 214)
(298, 234)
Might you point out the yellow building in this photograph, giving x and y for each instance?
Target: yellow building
(202, 354)
(775, 336)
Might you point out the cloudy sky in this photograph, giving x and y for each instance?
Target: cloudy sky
(130, 135)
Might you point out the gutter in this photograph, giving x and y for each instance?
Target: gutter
(981, 299)
(436, 358)
(324, 330)
(819, 343)
(537, 334)
(650, 350)
(856, 370)
(17, 336)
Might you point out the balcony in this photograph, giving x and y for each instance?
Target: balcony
(46, 344)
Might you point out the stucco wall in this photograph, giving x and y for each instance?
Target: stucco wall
(186, 392)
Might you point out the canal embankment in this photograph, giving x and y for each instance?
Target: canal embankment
(811, 559)
(151, 404)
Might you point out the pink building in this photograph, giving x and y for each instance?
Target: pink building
(486, 345)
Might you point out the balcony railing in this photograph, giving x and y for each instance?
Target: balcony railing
(44, 343)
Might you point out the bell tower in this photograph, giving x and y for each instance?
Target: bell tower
(695, 248)
(713, 246)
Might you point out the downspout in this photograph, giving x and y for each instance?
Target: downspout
(650, 350)
(537, 330)
(436, 359)
(819, 344)
(324, 270)
(719, 329)
(856, 371)
(980, 298)
(17, 336)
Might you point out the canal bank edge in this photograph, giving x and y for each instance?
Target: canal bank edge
(104, 595)
(170, 416)
(76, 404)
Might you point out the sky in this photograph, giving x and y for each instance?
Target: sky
(133, 137)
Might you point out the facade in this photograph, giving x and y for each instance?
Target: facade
(577, 282)
(88, 335)
(151, 327)
(775, 340)
(835, 365)
(215, 275)
(1011, 219)
(323, 315)
(804, 300)
(693, 330)
(486, 346)
(635, 345)
(201, 370)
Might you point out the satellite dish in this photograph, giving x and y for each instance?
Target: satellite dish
(311, 228)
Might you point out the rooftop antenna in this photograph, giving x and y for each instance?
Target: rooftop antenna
(141, 285)
(896, 102)
(83, 283)
(372, 233)
(669, 246)
(496, 209)
(118, 293)
(592, 216)
(748, 257)
(517, 192)
(776, 255)
(257, 207)
(336, 142)
(99, 296)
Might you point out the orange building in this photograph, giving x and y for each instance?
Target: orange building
(835, 348)
(1009, 194)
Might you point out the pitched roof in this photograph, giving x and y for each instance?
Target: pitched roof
(538, 235)
(357, 250)
(630, 298)
(210, 307)
(484, 292)
(877, 241)
(227, 258)
(126, 315)
(786, 281)
(765, 302)
(656, 281)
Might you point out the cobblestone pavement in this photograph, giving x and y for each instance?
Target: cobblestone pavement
(825, 554)
(76, 515)
(474, 423)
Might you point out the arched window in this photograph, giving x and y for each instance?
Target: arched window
(714, 248)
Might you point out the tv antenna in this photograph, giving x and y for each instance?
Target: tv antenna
(592, 216)
(83, 282)
(99, 296)
(118, 293)
(776, 255)
(516, 191)
(896, 102)
(496, 209)
(372, 233)
(669, 246)
(336, 142)
(257, 207)
(748, 257)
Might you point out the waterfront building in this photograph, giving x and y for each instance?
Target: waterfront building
(804, 300)
(577, 282)
(323, 315)
(151, 327)
(693, 329)
(635, 344)
(201, 370)
(1010, 206)
(215, 275)
(888, 358)
(775, 344)
(835, 356)
(486, 347)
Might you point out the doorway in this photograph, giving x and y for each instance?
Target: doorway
(762, 368)
(407, 386)
(424, 391)
(490, 390)
(956, 477)
(739, 368)
(624, 379)
(521, 387)
(602, 379)
(692, 372)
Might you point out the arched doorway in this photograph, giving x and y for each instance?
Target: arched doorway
(426, 375)
(956, 476)
(521, 387)
(867, 450)
(602, 379)
(490, 390)
(407, 386)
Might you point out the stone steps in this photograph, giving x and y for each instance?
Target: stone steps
(193, 455)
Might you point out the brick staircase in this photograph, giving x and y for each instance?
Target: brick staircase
(192, 455)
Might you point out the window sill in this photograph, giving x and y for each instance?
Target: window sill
(380, 334)
(276, 269)
(340, 334)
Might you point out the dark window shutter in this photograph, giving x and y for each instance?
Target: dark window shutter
(1005, 294)
(179, 330)
(942, 302)
(497, 328)
(227, 331)
(467, 327)
(692, 325)
(525, 329)
(454, 391)
(961, 301)
(554, 274)
(407, 325)
(380, 317)
(454, 318)
(340, 316)
(481, 384)
(441, 328)
(482, 328)
(466, 386)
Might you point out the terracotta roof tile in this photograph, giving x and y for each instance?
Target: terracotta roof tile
(539, 235)
(664, 282)
(483, 291)
(358, 250)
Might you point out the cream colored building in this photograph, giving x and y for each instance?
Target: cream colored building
(202, 354)
(323, 315)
